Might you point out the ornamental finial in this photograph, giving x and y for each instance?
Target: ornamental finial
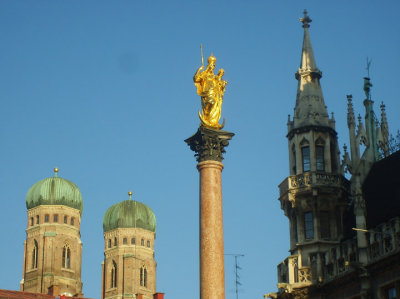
(55, 172)
(130, 195)
(306, 20)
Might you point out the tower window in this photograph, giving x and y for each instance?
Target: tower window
(114, 275)
(305, 152)
(35, 255)
(32, 222)
(391, 293)
(109, 243)
(333, 158)
(142, 242)
(133, 241)
(296, 238)
(66, 257)
(148, 243)
(72, 221)
(309, 225)
(319, 150)
(37, 219)
(46, 218)
(125, 241)
(65, 219)
(324, 223)
(115, 241)
(294, 158)
(55, 218)
(143, 276)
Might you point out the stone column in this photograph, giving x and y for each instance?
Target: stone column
(209, 145)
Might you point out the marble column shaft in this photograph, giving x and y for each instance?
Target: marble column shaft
(209, 146)
(212, 273)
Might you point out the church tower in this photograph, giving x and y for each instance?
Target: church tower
(53, 248)
(315, 195)
(129, 268)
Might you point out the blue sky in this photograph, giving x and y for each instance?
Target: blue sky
(103, 90)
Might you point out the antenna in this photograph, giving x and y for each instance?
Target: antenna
(237, 268)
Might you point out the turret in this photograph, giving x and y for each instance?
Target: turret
(53, 248)
(315, 195)
(129, 268)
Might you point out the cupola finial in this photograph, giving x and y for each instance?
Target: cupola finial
(130, 195)
(306, 20)
(55, 172)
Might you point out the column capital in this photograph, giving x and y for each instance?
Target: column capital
(209, 144)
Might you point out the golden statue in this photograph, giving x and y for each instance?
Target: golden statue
(211, 89)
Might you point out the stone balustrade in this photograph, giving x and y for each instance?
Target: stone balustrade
(313, 179)
(339, 259)
(290, 272)
(384, 239)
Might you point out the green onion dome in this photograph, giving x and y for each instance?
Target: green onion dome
(54, 191)
(129, 214)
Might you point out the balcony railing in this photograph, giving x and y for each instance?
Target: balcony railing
(289, 272)
(313, 179)
(383, 241)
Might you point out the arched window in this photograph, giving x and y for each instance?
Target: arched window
(46, 218)
(65, 219)
(305, 155)
(296, 237)
(143, 276)
(142, 242)
(148, 243)
(125, 241)
(37, 219)
(55, 218)
(32, 221)
(319, 153)
(66, 257)
(309, 225)
(294, 158)
(109, 243)
(113, 275)
(133, 241)
(115, 241)
(333, 158)
(35, 255)
(72, 221)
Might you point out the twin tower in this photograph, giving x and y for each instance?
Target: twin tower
(53, 247)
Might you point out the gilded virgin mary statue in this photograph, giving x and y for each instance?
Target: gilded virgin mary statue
(211, 89)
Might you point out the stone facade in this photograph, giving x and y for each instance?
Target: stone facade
(344, 234)
(129, 267)
(53, 250)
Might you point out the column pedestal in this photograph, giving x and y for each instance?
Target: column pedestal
(209, 145)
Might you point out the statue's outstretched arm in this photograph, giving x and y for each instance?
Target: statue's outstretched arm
(196, 75)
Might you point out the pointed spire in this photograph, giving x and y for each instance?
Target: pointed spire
(384, 123)
(350, 111)
(310, 106)
(384, 131)
(307, 56)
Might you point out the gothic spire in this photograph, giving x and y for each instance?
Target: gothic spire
(310, 106)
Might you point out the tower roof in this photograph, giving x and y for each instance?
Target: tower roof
(54, 191)
(129, 214)
(310, 105)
